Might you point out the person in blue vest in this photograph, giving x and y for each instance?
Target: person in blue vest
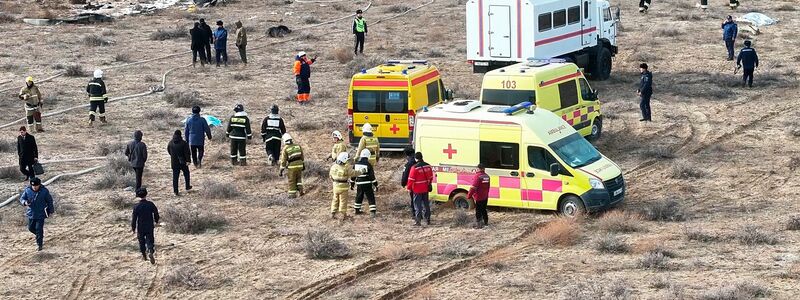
(360, 30)
(39, 205)
(221, 43)
(196, 131)
(748, 60)
(729, 32)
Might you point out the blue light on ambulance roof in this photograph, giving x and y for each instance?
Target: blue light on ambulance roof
(511, 110)
(363, 70)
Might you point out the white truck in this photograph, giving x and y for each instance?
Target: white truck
(505, 32)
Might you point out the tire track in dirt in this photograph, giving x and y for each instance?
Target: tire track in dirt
(77, 287)
(152, 288)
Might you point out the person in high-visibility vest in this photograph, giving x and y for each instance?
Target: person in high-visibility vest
(33, 104)
(369, 141)
(340, 173)
(338, 145)
(272, 129)
(292, 159)
(360, 31)
(239, 132)
(366, 183)
(97, 97)
(302, 75)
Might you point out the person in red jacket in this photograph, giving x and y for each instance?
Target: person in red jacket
(420, 180)
(479, 192)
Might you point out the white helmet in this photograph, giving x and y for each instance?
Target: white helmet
(301, 54)
(287, 138)
(366, 128)
(342, 157)
(365, 153)
(337, 135)
(98, 73)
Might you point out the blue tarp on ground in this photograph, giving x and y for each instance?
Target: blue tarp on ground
(211, 120)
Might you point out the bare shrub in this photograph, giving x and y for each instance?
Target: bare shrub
(520, 284)
(191, 219)
(325, 94)
(282, 200)
(311, 20)
(308, 37)
(793, 131)
(95, 40)
(436, 36)
(118, 164)
(406, 52)
(169, 34)
(667, 32)
(665, 210)
(357, 293)
(151, 78)
(687, 17)
(398, 201)
(316, 169)
(617, 221)
(435, 53)
(594, 290)
(43, 256)
(343, 55)
(397, 8)
(219, 190)
(339, 7)
(306, 126)
(105, 148)
(6, 18)
(560, 232)
(457, 248)
(120, 202)
(659, 152)
(110, 179)
(737, 291)
(321, 244)
(185, 277)
(461, 219)
(653, 260)
(610, 243)
(358, 63)
(793, 223)
(183, 99)
(241, 77)
(752, 235)
(684, 170)
(701, 236)
(401, 252)
(786, 7)
(75, 71)
(465, 91)
(14, 217)
(661, 282)
(9, 173)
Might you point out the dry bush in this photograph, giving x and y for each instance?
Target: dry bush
(186, 277)
(398, 201)
(687, 17)
(661, 282)
(406, 52)
(321, 244)
(457, 248)
(281, 200)
(13, 216)
(43, 256)
(306, 126)
(316, 169)
(786, 7)
(241, 77)
(664, 210)
(343, 55)
(617, 221)
(359, 63)
(465, 91)
(653, 247)
(595, 290)
(307, 37)
(737, 291)
(95, 40)
(684, 170)
(610, 243)
(401, 252)
(219, 190)
(793, 131)
(6, 18)
(61, 207)
(752, 235)
(109, 180)
(151, 78)
(653, 260)
(339, 7)
(191, 219)
(562, 232)
(105, 148)
(397, 8)
(667, 32)
(118, 164)
(435, 53)
(643, 56)
(461, 219)
(169, 34)
(183, 99)
(122, 57)
(522, 284)
(311, 20)
(9, 173)
(357, 293)
(325, 94)
(120, 202)
(793, 223)
(436, 36)
(75, 71)
(659, 152)
(702, 236)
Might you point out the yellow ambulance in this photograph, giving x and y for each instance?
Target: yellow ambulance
(534, 158)
(552, 84)
(389, 96)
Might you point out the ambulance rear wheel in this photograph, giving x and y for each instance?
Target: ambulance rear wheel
(597, 129)
(571, 207)
(460, 201)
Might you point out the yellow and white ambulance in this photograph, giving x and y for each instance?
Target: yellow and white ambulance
(389, 96)
(534, 158)
(552, 84)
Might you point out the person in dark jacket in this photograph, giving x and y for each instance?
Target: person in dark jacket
(97, 97)
(197, 130)
(360, 31)
(479, 193)
(729, 32)
(241, 41)
(420, 181)
(198, 46)
(366, 183)
(239, 132)
(180, 156)
(208, 40)
(272, 129)
(39, 205)
(644, 5)
(748, 60)
(410, 161)
(221, 43)
(136, 151)
(28, 153)
(645, 91)
(143, 222)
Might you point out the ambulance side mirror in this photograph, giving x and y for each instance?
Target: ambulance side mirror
(592, 96)
(448, 94)
(615, 10)
(555, 169)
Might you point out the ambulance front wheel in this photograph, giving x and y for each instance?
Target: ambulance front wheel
(460, 201)
(597, 129)
(571, 206)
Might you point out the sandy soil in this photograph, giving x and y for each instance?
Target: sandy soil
(740, 140)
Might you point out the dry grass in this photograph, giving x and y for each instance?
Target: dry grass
(659, 152)
(622, 222)
(43, 256)
(343, 55)
(359, 63)
(653, 260)
(685, 170)
(610, 243)
(316, 169)
(75, 71)
(702, 236)
(6, 18)
(401, 252)
(307, 126)
(786, 7)
(522, 284)
(406, 52)
(397, 9)
(219, 190)
(280, 200)
(461, 219)
(664, 210)
(321, 244)
(667, 32)
(169, 34)
(9, 173)
(311, 20)
(241, 77)
(122, 57)
(120, 202)
(357, 293)
(185, 277)
(105, 148)
(752, 235)
(561, 232)
(191, 219)
(457, 249)
(435, 53)
(13, 216)
(398, 201)
(793, 223)
(95, 41)
(594, 290)
(737, 291)
(119, 174)
(184, 99)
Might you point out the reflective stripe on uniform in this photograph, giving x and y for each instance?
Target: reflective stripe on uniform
(238, 138)
(364, 182)
(95, 83)
(238, 125)
(296, 167)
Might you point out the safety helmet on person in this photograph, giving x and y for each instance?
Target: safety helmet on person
(287, 139)
(337, 135)
(342, 158)
(365, 153)
(366, 128)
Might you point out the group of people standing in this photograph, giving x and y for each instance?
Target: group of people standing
(202, 37)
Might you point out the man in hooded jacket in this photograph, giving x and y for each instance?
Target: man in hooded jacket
(136, 151)
(241, 41)
(199, 41)
(180, 156)
(209, 34)
(197, 130)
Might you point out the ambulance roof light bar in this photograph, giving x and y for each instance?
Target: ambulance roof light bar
(408, 62)
(537, 62)
(516, 108)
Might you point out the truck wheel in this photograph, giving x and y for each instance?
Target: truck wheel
(460, 201)
(597, 129)
(601, 66)
(571, 207)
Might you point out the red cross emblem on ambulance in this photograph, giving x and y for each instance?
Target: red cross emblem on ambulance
(449, 151)
(394, 129)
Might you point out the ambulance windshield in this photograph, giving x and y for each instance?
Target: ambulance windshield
(507, 97)
(575, 151)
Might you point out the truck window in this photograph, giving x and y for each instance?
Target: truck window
(395, 102)
(545, 22)
(559, 18)
(539, 158)
(507, 97)
(586, 9)
(607, 14)
(365, 101)
(586, 90)
(573, 15)
(433, 93)
(498, 155)
(568, 92)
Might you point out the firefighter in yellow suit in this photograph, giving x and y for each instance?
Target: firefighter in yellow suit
(292, 159)
(338, 145)
(33, 104)
(340, 173)
(369, 141)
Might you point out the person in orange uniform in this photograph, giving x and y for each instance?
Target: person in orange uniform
(302, 74)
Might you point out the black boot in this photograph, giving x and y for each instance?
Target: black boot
(233, 161)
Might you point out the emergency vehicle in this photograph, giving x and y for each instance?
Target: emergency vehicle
(554, 85)
(389, 96)
(534, 158)
(504, 32)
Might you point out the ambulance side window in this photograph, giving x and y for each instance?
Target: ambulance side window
(539, 158)
(568, 92)
(365, 101)
(586, 90)
(433, 93)
(496, 155)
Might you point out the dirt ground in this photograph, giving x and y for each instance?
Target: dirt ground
(726, 155)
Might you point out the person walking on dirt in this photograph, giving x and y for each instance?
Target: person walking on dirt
(410, 162)
(39, 205)
(272, 129)
(420, 180)
(645, 92)
(199, 41)
(366, 183)
(748, 59)
(340, 174)
(338, 145)
(241, 41)
(33, 104)
(729, 32)
(479, 193)
(369, 141)
(208, 40)
(644, 5)
(28, 153)
(143, 222)
(360, 31)
(292, 159)
(97, 97)
(302, 75)
(239, 132)
(136, 151)
(221, 44)
(180, 156)
(197, 130)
